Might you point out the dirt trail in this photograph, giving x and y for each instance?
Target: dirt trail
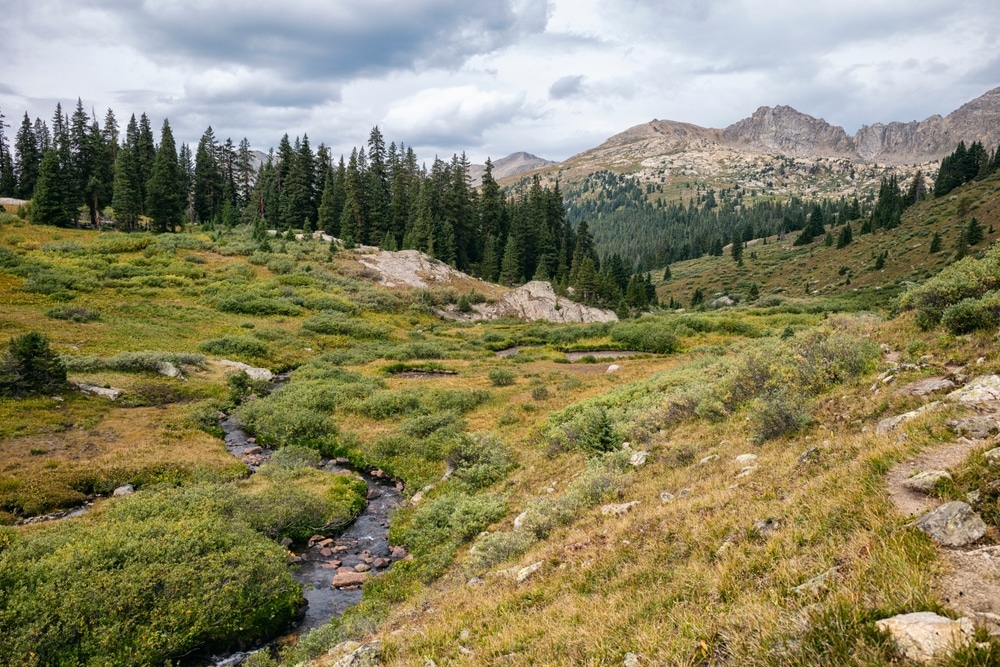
(971, 586)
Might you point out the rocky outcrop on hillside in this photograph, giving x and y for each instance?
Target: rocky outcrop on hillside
(410, 268)
(537, 301)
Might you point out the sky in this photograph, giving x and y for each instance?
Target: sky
(490, 77)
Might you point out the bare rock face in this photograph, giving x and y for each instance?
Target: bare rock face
(410, 268)
(924, 636)
(784, 130)
(537, 301)
(980, 390)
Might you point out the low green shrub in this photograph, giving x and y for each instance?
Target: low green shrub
(589, 428)
(645, 335)
(237, 346)
(501, 377)
(480, 459)
(343, 326)
(116, 243)
(777, 413)
(73, 314)
(131, 362)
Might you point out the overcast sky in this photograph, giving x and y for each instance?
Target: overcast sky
(490, 77)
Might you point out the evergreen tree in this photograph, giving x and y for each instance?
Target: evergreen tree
(145, 156)
(51, 193)
(29, 366)
(8, 176)
(737, 249)
(666, 273)
(935, 243)
(127, 204)
(845, 237)
(207, 195)
(974, 234)
(29, 158)
(510, 268)
(164, 197)
(353, 226)
(328, 218)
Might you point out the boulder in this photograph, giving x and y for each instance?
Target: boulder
(708, 459)
(526, 572)
(613, 368)
(927, 386)
(104, 392)
(342, 579)
(126, 490)
(993, 456)
(666, 497)
(169, 370)
(537, 301)
(745, 459)
(979, 428)
(520, 519)
(924, 636)
(953, 524)
(926, 481)
(638, 458)
(980, 390)
(252, 372)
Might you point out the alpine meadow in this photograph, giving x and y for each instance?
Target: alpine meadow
(694, 396)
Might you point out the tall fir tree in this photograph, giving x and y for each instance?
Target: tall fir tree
(164, 198)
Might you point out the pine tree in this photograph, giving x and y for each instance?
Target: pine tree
(207, 185)
(974, 232)
(935, 243)
(8, 177)
(737, 249)
(164, 197)
(666, 273)
(127, 204)
(510, 269)
(845, 237)
(29, 158)
(50, 195)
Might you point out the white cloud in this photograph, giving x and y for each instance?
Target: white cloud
(451, 117)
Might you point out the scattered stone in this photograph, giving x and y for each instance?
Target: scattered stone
(342, 579)
(974, 496)
(708, 459)
(925, 636)
(979, 428)
(981, 390)
(525, 573)
(286, 542)
(633, 660)
(378, 474)
(746, 459)
(362, 567)
(381, 563)
(464, 635)
(613, 368)
(398, 552)
(618, 510)
(684, 493)
(520, 519)
(340, 548)
(927, 386)
(953, 524)
(252, 372)
(890, 424)
(316, 538)
(126, 490)
(993, 456)
(367, 655)
(638, 458)
(373, 494)
(666, 497)
(417, 497)
(253, 451)
(104, 392)
(476, 581)
(332, 565)
(818, 583)
(926, 481)
(169, 370)
(746, 472)
(326, 552)
(465, 651)
(811, 454)
(765, 528)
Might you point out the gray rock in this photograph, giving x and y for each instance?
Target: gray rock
(811, 454)
(746, 472)
(475, 581)
(169, 370)
(104, 392)
(982, 389)
(638, 458)
(613, 368)
(927, 386)
(924, 636)
(633, 660)
(618, 510)
(722, 302)
(708, 459)
(666, 497)
(890, 424)
(520, 519)
(765, 528)
(526, 572)
(126, 490)
(953, 524)
(974, 427)
(818, 583)
(745, 459)
(368, 655)
(926, 481)
(252, 372)
(993, 456)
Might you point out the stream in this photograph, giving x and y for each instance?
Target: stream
(360, 551)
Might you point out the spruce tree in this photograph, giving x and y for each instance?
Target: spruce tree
(164, 197)
(935, 243)
(127, 204)
(29, 158)
(50, 195)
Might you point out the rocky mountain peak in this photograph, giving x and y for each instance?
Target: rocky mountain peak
(785, 130)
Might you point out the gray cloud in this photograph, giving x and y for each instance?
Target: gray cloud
(567, 86)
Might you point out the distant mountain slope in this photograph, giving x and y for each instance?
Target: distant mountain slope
(505, 167)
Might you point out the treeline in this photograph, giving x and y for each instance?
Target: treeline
(632, 220)
(964, 165)
(380, 195)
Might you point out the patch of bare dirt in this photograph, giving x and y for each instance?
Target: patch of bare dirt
(914, 503)
(972, 587)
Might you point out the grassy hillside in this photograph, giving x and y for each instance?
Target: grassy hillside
(703, 569)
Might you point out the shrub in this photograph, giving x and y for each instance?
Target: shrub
(777, 413)
(241, 346)
(480, 459)
(131, 362)
(330, 303)
(501, 377)
(589, 428)
(539, 393)
(120, 243)
(970, 315)
(73, 314)
(646, 335)
(342, 326)
(421, 426)
(450, 518)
